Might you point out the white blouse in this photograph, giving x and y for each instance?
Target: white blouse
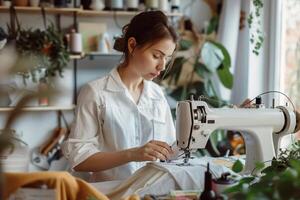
(107, 119)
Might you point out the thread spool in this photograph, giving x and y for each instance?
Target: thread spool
(75, 42)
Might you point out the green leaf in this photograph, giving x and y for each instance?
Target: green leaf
(227, 59)
(201, 70)
(259, 166)
(225, 77)
(237, 166)
(185, 44)
(213, 25)
(212, 56)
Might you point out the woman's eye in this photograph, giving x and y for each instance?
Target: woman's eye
(156, 56)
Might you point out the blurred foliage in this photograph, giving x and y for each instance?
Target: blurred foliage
(280, 180)
(41, 53)
(255, 25)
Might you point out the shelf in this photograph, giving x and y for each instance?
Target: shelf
(103, 54)
(40, 108)
(76, 57)
(79, 11)
(28, 9)
(117, 13)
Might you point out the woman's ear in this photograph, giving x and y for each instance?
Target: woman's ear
(131, 44)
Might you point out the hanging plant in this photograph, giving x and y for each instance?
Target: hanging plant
(42, 53)
(254, 22)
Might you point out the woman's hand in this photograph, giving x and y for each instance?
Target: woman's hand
(246, 104)
(151, 151)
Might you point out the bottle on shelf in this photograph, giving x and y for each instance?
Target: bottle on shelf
(60, 3)
(86, 4)
(75, 42)
(132, 5)
(115, 5)
(151, 4)
(164, 5)
(208, 193)
(6, 3)
(43, 88)
(175, 5)
(97, 5)
(34, 3)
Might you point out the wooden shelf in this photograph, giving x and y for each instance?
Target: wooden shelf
(39, 108)
(117, 13)
(103, 54)
(79, 11)
(28, 9)
(76, 57)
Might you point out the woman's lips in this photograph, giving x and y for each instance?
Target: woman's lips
(154, 74)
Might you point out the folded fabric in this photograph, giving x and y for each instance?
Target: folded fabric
(159, 178)
(67, 187)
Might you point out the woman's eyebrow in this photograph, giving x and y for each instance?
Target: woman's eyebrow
(162, 52)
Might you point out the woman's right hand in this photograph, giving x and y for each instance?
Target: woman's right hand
(151, 151)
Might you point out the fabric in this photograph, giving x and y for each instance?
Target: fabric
(107, 119)
(159, 178)
(67, 187)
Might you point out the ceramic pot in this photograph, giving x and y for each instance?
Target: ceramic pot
(20, 2)
(34, 3)
(6, 3)
(97, 5)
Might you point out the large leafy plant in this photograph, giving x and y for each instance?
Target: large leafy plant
(199, 60)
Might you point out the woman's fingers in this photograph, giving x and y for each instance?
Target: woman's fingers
(246, 104)
(160, 151)
(162, 144)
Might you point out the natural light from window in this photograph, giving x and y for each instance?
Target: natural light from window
(290, 52)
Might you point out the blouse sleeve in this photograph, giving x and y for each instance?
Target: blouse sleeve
(86, 129)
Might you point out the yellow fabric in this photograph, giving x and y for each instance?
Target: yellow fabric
(67, 187)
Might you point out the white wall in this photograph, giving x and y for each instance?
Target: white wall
(35, 127)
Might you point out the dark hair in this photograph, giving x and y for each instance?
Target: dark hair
(147, 28)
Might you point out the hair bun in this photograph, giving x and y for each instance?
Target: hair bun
(119, 44)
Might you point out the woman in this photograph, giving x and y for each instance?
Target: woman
(124, 119)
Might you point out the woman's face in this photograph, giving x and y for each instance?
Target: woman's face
(148, 61)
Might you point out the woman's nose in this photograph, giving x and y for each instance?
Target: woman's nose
(162, 65)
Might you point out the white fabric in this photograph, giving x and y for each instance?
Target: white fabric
(160, 178)
(107, 119)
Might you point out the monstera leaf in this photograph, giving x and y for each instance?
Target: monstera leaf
(211, 56)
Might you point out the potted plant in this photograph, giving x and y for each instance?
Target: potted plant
(46, 50)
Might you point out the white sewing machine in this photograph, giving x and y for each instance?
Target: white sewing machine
(262, 128)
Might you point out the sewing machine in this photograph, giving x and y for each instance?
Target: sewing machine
(262, 128)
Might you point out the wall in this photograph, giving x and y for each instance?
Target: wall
(35, 127)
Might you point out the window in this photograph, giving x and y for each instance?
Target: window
(290, 51)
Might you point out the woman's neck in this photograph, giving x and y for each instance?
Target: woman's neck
(131, 80)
